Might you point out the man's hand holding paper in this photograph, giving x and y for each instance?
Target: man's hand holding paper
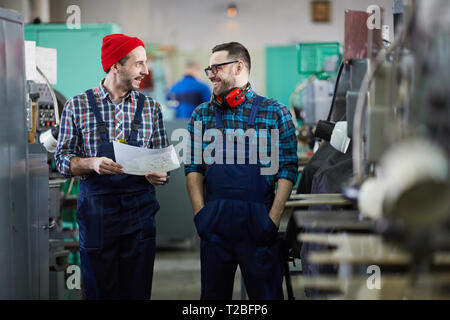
(157, 179)
(146, 162)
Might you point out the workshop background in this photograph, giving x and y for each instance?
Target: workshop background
(371, 111)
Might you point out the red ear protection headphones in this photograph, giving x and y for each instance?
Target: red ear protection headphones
(232, 99)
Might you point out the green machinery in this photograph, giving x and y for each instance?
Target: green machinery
(288, 66)
(302, 77)
(78, 53)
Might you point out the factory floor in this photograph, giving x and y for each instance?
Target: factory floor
(176, 274)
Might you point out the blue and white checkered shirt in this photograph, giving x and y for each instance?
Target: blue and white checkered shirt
(271, 115)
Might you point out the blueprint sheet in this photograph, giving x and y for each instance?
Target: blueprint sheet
(140, 161)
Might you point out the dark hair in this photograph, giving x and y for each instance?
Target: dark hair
(236, 51)
(121, 61)
(124, 59)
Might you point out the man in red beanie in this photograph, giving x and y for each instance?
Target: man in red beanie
(115, 211)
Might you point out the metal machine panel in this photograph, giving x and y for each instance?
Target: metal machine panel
(39, 220)
(323, 97)
(45, 109)
(358, 71)
(379, 114)
(316, 101)
(355, 35)
(352, 99)
(360, 42)
(14, 240)
(308, 104)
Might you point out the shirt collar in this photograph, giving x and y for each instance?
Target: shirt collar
(250, 93)
(103, 93)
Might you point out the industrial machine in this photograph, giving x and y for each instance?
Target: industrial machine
(73, 78)
(45, 187)
(302, 77)
(408, 102)
(386, 156)
(33, 253)
(16, 228)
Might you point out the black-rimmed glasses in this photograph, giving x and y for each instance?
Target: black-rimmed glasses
(216, 67)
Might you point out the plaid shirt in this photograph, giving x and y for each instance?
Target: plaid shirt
(78, 136)
(271, 115)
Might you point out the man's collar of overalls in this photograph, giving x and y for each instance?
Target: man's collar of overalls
(104, 93)
(250, 93)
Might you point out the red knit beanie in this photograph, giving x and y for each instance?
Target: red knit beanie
(116, 46)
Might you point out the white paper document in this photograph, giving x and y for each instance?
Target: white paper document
(140, 161)
(30, 60)
(47, 61)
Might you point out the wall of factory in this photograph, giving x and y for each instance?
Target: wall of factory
(200, 24)
(194, 27)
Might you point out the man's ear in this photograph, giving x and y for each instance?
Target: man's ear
(115, 68)
(239, 67)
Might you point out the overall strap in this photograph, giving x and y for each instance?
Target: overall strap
(136, 124)
(251, 120)
(257, 100)
(98, 117)
(219, 122)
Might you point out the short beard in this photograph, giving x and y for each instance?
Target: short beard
(227, 85)
(126, 81)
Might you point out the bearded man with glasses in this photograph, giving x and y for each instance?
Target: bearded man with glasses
(238, 216)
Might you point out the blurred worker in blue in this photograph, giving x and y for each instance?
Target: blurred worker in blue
(189, 92)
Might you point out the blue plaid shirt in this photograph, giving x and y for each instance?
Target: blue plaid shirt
(271, 115)
(78, 136)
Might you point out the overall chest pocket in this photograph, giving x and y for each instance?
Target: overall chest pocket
(144, 135)
(91, 140)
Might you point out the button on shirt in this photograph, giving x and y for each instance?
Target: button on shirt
(78, 134)
(271, 115)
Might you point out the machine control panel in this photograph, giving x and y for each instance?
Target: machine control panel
(45, 109)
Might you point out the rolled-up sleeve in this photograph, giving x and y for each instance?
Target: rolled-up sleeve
(195, 146)
(288, 146)
(68, 141)
(159, 138)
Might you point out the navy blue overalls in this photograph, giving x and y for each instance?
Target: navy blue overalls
(115, 214)
(235, 228)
